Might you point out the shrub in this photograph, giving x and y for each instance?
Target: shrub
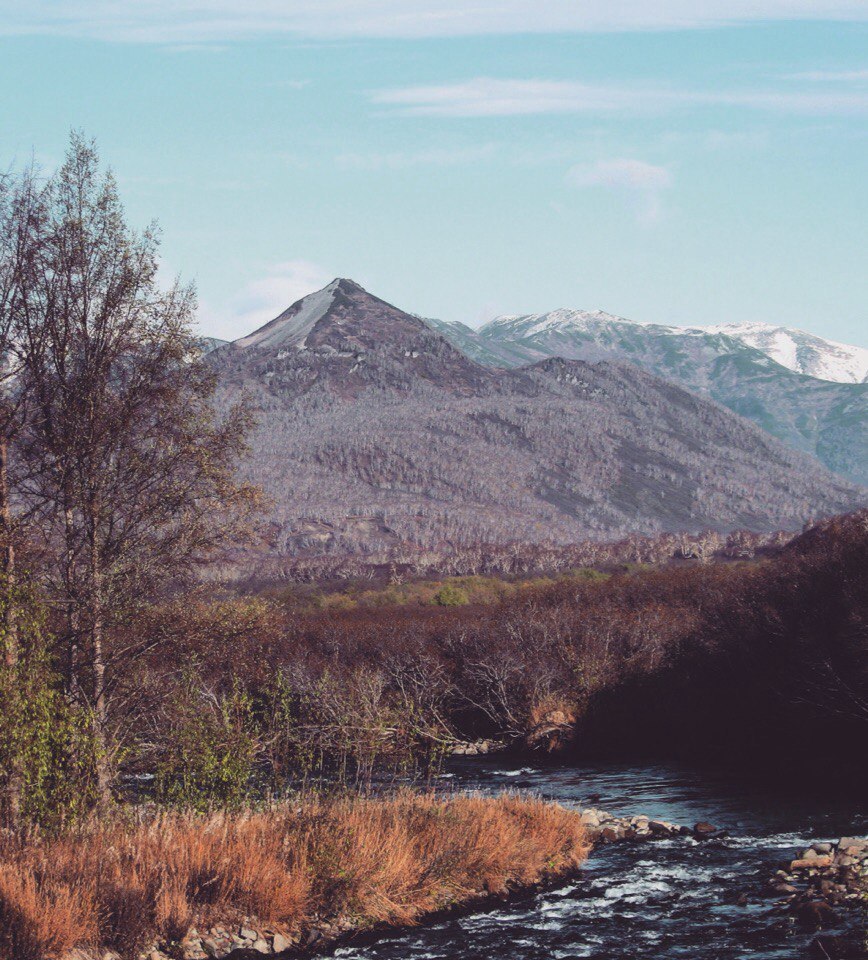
(211, 750)
(451, 596)
(48, 750)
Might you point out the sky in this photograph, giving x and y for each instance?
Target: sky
(671, 161)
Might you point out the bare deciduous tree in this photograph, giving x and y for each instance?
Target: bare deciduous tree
(132, 474)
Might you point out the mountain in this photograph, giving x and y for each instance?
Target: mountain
(825, 419)
(802, 352)
(374, 430)
(207, 344)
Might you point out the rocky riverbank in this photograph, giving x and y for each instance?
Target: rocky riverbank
(825, 878)
(250, 939)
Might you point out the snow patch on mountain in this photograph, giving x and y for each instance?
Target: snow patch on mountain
(533, 324)
(294, 324)
(801, 351)
(796, 350)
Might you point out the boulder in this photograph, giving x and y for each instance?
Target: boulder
(704, 830)
(216, 949)
(816, 862)
(815, 913)
(280, 943)
(846, 842)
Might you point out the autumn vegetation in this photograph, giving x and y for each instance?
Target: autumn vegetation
(295, 867)
(758, 660)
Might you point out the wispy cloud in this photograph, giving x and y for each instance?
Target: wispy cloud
(642, 182)
(263, 299)
(403, 159)
(831, 76)
(184, 21)
(622, 173)
(195, 48)
(496, 97)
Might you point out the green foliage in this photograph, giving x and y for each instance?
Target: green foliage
(210, 757)
(47, 743)
(286, 750)
(588, 574)
(451, 596)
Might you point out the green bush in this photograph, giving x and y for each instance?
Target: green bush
(48, 747)
(451, 596)
(213, 744)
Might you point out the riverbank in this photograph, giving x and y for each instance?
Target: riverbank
(188, 886)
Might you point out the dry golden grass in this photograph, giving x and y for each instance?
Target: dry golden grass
(391, 861)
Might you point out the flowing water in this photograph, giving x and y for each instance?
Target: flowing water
(673, 898)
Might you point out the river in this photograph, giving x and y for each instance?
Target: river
(673, 898)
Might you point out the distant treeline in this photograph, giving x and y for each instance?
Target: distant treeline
(410, 563)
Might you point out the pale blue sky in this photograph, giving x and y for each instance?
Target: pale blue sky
(655, 159)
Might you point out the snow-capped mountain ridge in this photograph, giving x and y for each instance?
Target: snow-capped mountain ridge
(802, 351)
(797, 350)
(532, 324)
(798, 387)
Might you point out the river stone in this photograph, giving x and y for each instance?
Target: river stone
(811, 863)
(845, 842)
(215, 949)
(784, 888)
(247, 934)
(280, 943)
(815, 913)
(822, 847)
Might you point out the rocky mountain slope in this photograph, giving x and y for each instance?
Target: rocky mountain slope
(826, 419)
(374, 430)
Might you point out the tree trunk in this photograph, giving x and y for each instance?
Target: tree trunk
(97, 630)
(7, 559)
(73, 618)
(14, 786)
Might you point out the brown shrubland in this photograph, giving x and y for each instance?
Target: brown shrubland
(120, 884)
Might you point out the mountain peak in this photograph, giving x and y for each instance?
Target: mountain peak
(291, 327)
(339, 299)
(348, 333)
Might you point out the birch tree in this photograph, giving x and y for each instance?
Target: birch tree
(130, 470)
